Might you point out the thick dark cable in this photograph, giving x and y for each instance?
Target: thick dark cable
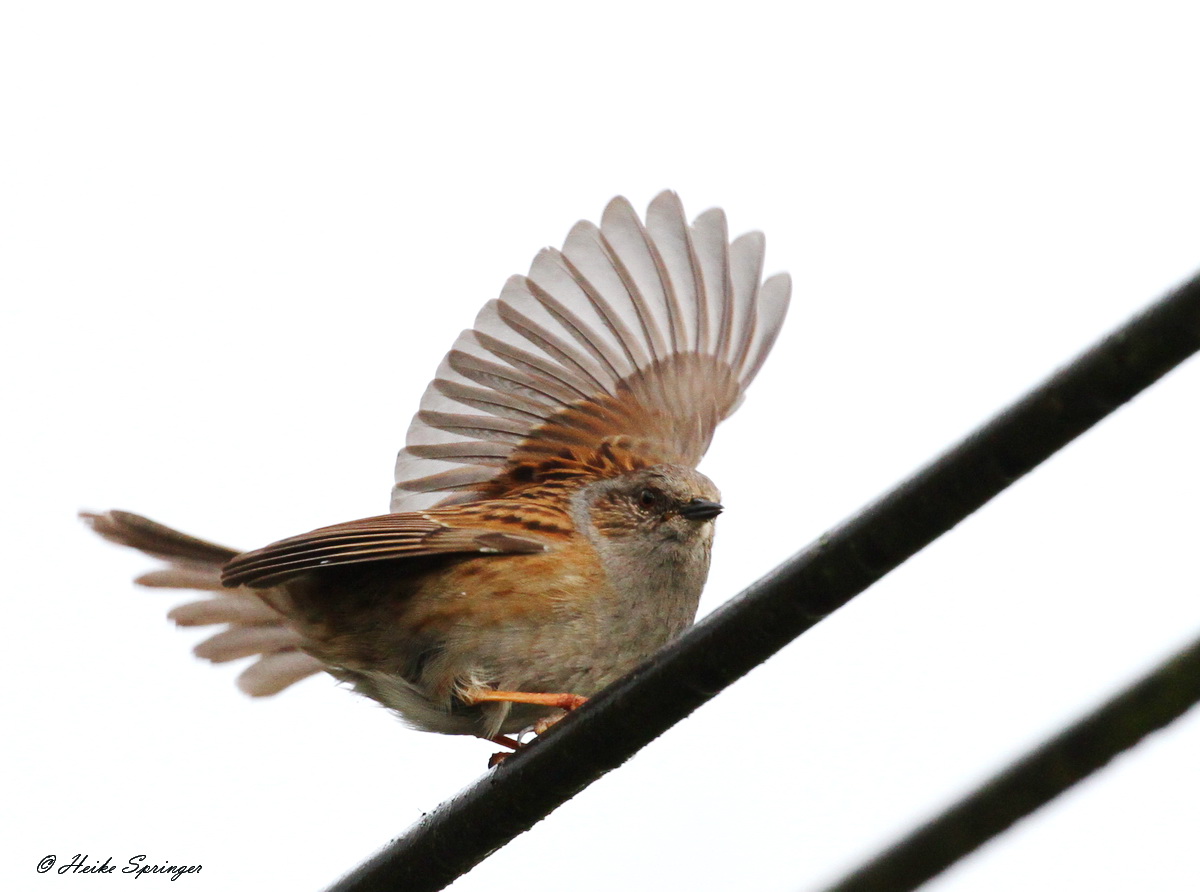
(738, 636)
(1085, 747)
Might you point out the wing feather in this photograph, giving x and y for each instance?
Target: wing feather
(711, 237)
(597, 378)
(537, 364)
(588, 262)
(745, 273)
(631, 255)
(507, 378)
(386, 537)
(670, 240)
(772, 307)
(590, 337)
(637, 336)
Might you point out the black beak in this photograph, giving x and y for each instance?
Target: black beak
(701, 509)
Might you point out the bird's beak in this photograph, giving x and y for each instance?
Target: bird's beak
(701, 509)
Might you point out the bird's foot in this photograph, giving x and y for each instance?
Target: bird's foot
(501, 739)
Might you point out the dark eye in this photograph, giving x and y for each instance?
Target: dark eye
(650, 498)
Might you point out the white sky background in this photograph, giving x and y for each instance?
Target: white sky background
(239, 237)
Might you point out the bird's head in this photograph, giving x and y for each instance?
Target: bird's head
(663, 503)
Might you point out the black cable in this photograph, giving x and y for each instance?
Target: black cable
(1086, 746)
(744, 632)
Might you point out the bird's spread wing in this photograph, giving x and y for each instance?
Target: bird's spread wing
(387, 537)
(637, 338)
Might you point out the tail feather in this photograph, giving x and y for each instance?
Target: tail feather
(272, 673)
(202, 579)
(246, 641)
(156, 540)
(252, 626)
(238, 611)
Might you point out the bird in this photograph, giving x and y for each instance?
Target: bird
(548, 529)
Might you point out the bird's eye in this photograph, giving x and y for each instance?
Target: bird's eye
(650, 498)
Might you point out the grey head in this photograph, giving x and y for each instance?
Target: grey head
(653, 530)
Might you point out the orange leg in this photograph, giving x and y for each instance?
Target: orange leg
(502, 740)
(559, 701)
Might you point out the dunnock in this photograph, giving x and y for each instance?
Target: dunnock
(548, 528)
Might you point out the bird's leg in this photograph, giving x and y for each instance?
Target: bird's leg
(565, 702)
(558, 701)
(502, 740)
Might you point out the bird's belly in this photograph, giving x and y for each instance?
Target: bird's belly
(583, 653)
(538, 631)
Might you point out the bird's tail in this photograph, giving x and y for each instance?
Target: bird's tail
(252, 626)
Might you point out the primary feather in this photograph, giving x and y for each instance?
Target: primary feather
(639, 336)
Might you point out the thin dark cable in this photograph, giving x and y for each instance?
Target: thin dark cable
(1085, 747)
(738, 636)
